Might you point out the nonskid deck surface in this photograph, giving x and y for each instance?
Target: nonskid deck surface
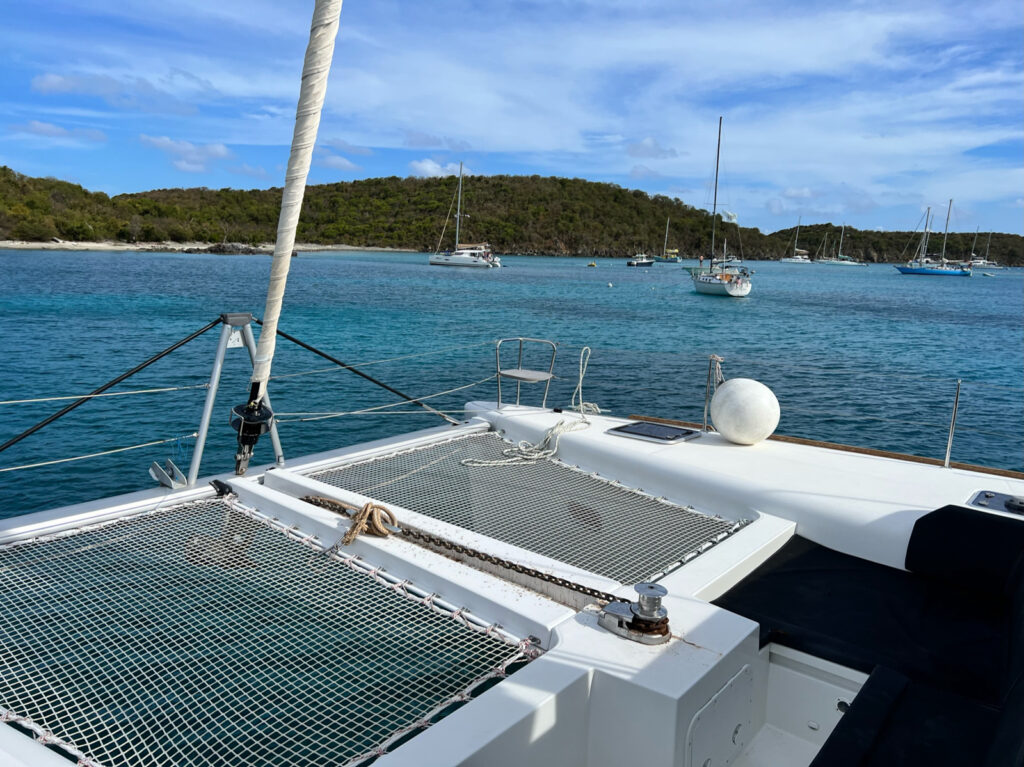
(202, 634)
(546, 507)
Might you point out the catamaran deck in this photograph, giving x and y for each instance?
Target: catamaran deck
(174, 627)
(544, 506)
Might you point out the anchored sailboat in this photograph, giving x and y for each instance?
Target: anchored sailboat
(799, 256)
(476, 254)
(668, 256)
(720, 279)
(924, 265)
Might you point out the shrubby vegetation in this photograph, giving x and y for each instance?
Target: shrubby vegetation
(516, 214)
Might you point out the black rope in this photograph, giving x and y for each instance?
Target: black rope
(86, 398)
(358, 372)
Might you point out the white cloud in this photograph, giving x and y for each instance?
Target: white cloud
(648, 147)
(643, 172)
(52, 131)
(335, 161)
(433, 169)
(186, 156)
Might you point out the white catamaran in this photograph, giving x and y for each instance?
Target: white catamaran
(500, 591)
(465, 254)
(722, 279)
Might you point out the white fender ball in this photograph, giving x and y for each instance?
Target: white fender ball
(744, 411)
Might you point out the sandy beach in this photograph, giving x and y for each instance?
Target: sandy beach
(176, 247)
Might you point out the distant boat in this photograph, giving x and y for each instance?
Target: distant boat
(799, 256)
(721, 279)
(979, 262)
(840, 259)
(668, 256)
(923, 265)
(592, 263)
(477, 254)
(640, 259)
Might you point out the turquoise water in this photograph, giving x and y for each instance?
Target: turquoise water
(862, 356)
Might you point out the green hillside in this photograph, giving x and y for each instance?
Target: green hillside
(516, 214)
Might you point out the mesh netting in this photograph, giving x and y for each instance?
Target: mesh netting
(201, 635)
(546, 507)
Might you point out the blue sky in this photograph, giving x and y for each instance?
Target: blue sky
(863, 113)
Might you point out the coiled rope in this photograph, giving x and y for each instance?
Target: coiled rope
(527, 453)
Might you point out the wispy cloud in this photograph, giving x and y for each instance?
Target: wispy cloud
(327, 159)
(186, 156)
(648, 147)
(52, 131)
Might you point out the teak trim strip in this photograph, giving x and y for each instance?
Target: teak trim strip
(852, 449)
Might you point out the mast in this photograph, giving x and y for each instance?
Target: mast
(255, 417)
(714, 206)
(989, 242)
(841, 233)
(458, 210)
(927, 231)
(664, 248)
(975, 241)
(796, 240)
(946, 233)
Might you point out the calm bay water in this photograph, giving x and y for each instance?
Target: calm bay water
(862, 356)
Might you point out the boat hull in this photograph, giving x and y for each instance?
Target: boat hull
(713, 285)
(458, 259)
(933, 271)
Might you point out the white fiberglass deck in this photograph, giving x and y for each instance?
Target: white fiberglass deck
(201, 633)
(546, 506)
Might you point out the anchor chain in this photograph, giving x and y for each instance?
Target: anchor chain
(457, 548)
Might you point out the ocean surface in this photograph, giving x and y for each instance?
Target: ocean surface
(862, 356)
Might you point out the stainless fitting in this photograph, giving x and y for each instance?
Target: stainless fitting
(644, 621)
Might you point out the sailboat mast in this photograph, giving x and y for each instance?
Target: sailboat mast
(841, 233)
(927, 231)
(975, 240)
(989, 242)
(458, 210)
(664, 248)
(946, 233)
(796, 240)
(714, 205)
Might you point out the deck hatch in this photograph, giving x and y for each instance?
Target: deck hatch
(547, 507)
(204, 634)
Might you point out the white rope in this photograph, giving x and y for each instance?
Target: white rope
(319, 53)
(105, 394)
(583, 407)
(104, 452)
(526, 453)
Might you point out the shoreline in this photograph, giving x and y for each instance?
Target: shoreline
(179, 247)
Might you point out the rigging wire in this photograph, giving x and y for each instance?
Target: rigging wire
(193, 435)
(107, 394)
(325, 416)
(108, 384)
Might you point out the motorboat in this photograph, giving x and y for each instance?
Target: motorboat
(640, 259)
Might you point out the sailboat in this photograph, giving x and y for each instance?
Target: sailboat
(924, 265)
(668, 256)
(981, 262)
(799, 256)
(720, 279)
(840, 259)
(466, 254)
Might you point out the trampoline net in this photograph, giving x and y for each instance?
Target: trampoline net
(547, 507)
(200, 634)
